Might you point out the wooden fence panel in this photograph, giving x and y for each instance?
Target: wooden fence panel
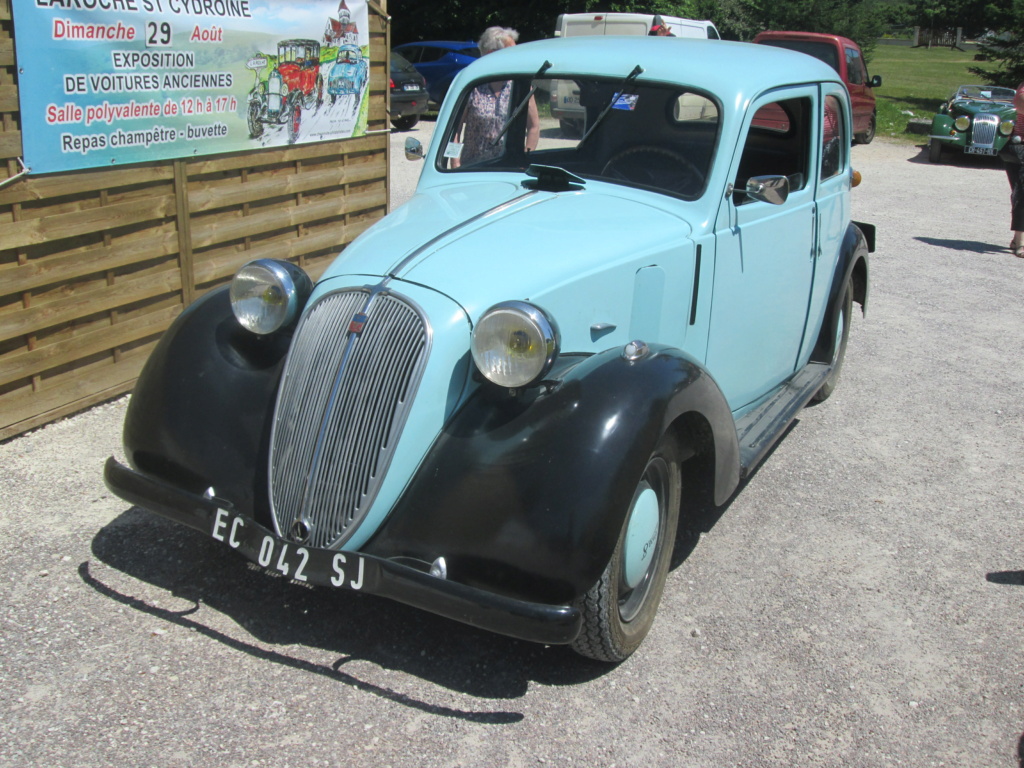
(96, 264)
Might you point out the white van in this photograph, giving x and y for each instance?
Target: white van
(565, 97)
(575, 24)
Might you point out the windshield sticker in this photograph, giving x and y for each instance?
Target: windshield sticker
(626, 101)
(453, 151)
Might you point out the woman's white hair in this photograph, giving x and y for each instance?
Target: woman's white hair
(495, 38)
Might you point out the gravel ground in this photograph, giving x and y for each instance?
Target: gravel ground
(858, 603)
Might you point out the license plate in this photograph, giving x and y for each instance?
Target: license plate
(327, 568)
(410, 87)
(979, 150)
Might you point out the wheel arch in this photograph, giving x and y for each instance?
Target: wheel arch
(528, 496)
(858, 241)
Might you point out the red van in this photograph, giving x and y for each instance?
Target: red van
(845, 57)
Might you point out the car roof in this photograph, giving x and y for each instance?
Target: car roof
(455, 45)
(774, 34)
(718, 66)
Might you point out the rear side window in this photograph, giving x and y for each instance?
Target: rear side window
(431, 54)
(832, 132)
(822, 51)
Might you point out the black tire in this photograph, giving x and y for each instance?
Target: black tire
(294, 116)
(571, 129)
(934, 151)
(839, 353)
(319, 91)
(255, 124)
(868, 136)
(619, 609)
(405, 123)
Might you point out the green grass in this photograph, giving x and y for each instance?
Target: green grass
(915, 80)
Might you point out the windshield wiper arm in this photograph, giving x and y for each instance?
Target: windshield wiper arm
(515, 113)
(637, 71)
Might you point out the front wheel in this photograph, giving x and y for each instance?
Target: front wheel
(294, 117)
(839, 349)
(619, 609)
(934, 151)
(255, 124)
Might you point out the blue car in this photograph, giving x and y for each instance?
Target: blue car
(439, 63)
(349, 74)
(486, 407)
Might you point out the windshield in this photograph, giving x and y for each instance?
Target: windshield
(659, 137)
(984, 93)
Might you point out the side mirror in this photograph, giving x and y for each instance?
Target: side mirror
(876, 81)
(768, 189)
(413, 149)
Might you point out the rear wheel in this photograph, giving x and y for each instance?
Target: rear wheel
(839, 350)
(405, 123)
(619, 609)
(571, 129)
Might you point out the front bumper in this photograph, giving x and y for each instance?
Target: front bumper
(536, 622)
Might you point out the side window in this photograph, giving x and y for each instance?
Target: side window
(832, 132)
(855, 67)
(412, 55)
(431, 54)
(778, 144)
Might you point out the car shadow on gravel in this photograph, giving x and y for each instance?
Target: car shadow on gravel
(274, 611)
(970, 246)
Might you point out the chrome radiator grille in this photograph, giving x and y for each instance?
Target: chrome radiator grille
(344, 398)
(983, 133)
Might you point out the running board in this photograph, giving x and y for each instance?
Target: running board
(759, 429)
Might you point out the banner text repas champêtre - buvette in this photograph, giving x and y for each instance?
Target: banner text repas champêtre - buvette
(122, 81)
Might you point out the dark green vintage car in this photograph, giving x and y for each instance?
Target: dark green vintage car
(977, 120)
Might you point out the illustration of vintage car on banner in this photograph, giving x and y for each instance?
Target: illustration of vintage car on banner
(119, 83)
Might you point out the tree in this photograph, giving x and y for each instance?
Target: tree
(1003, 46)
(860, 20)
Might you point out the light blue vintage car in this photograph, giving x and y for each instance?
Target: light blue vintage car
(486, 406)
(349, 74)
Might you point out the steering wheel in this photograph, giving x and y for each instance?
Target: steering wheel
(657, 167)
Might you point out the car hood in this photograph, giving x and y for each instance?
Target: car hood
(483, 242)
(980, 107)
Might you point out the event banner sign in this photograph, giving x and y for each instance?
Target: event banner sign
(110, 82)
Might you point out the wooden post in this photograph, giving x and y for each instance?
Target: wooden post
(184, 224)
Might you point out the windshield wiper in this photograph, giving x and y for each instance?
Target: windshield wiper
(628, 80)
(515, 113)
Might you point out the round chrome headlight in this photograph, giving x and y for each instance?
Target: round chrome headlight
(267, 294)
(1006, 127)
(962, 123)
(515, 344)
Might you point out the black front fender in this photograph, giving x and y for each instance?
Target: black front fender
(852, 267)
(201, 411)
(527, 495)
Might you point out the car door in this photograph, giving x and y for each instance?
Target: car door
(833, 204)
(764, 252)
